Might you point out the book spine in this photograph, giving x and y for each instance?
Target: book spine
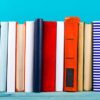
(96, 56)
(20, 58)
(49, 56)
(38, 32)
(11, 57)
(29, 56)
(0, 33)
(59, 56)
(70, 53)
(88, 58)
(3, 56)
(81, 56)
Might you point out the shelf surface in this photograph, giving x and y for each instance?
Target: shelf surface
(51, 96)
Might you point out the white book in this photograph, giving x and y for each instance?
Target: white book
(11, 57)
(88, 58)
(29, 56)
(60, 56)
(3, 56)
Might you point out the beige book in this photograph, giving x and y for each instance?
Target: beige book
(88, 58)
(20, 58)
(80, 56)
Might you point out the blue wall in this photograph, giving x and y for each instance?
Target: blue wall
(22, 10)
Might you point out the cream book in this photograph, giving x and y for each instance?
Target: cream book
(88, 58)
(60, 56)
(20, 58)
(29, 56)
(11, 57)
(81, 56)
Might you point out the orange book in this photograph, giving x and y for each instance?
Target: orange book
(71, 30)
(20, 59)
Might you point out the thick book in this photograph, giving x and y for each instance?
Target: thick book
(96, 55)
(71, 32)
(37, 74)
(29, 56)
(20, 58)
(11, 57)
(3, 55)
(81, 56)
(88, 58)
(59, 55)
(49, 56)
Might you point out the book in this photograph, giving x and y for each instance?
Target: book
(49, 56)
(0, 33)
(59, 55)
(29, 56)
(37, 74)
(20, 58)
(3, 56)
(96, 56)
(81, 56)
(71, 32)
(88, 58)
(11, 57)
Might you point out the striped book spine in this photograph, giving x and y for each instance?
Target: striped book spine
(96, 56)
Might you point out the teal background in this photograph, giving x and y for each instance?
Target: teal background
(22, 10)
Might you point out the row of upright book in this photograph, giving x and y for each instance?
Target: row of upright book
(49, 56)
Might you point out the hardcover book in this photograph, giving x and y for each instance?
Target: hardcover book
(37, 74)
(29, 56)
(3, 55)
(20, 58)
(88, 58)
(59, 55)
(81, 56)
(96, 55)
(11, 57)
(71, 31)
(49, 56)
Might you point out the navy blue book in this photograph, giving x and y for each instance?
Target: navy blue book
(38, 31)
(96, 56)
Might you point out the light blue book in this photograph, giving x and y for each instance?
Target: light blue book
(3, 55)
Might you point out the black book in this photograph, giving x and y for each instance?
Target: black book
(38, 32)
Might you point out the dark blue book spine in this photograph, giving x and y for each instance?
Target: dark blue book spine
(38, 32)
(96, 56)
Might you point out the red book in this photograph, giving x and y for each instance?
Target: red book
(49, 57)
(71, 29)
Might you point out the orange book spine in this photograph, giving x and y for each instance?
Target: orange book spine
(20, 59)
(71, 30)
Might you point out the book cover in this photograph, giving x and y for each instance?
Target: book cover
(49, 56)
(20, 58)
(59, 55)
(71, 31)
(3, 56)
(88, 58)
(96, 55)
(11, 57)
(81, 56)
(29, 56)
(37, 74)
